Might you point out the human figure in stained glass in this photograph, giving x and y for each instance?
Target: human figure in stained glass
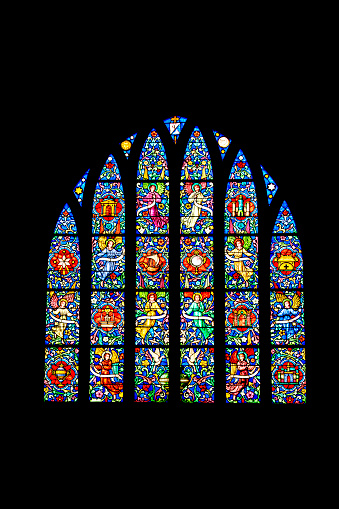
(238, 255)
(241, 371)
(110, 256)
(61, 313)
(197, 198)
(152, 308)
(151, 199)
(198, 311)
(287, 315)
(109, 370)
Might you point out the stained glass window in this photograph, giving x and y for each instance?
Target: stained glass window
(108, 283)
(197, 273)
(241, 278)
(152, 274)
(287, 312)
(62, 312)
(208, 311)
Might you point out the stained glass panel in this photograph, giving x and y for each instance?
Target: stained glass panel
(287, 318)
(240, 169)
(241, 212)
(126, 145)
(196, 268)
(196, 207)
(241, 261)
(152, 317)
(152, 207)
(108, 208)
(242, 375)
(108, 262)
(197, 163)
(288, 375)
(62, 317)
(271, 186)
(107, 372)
(151, 374)
(284, 223)
(242, 318)
(197, 375)
(107, 318)
(175, 125)
(153, 161)
(61, 374)
(80, 188)
(197, 318)
(152, 269)
(286, 263)
(223, 143)
(110, 170)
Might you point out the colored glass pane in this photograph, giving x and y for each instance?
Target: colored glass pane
(241, 212)
(61, 374)
(108, 208)
(106, 374)
(286, 263)
(240, 169)
(126, 145)
(80, 188)
(197, 318)
(241, 261)
(271, 186)
(152, 317)
(153, 162)
(196, 207)
(107, 319)
(152, 207)
(62, 317)
(242, 318)
(110, 170)
(223, 143)
(65, 224)
(288, 375)
(197, 375)
(108, 262)
(197, 163)
(287, 318)
(174, 125)
(151, 374)
(196, 268)
(152, 270)
(242, 375)
(284, 222)
(64, 263)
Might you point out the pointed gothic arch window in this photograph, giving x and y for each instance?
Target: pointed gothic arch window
(156, 327)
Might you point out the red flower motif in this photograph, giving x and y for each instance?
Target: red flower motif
(196, 262)
(109, 165)
(64, 262)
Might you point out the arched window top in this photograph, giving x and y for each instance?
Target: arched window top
(197, 163)
(240, 169)
(110, 171)
(284, 222)
(65, 223)
(153, 161)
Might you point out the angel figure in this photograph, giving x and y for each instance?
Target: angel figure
(151, 199)
(152, 309)
(197, 199)
(110, 256)
(60, 313)
(238, 255)
(288, 314)
(108, 371)
(198, 313)
(241, 372)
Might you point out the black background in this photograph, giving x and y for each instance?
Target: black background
(75, 110)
